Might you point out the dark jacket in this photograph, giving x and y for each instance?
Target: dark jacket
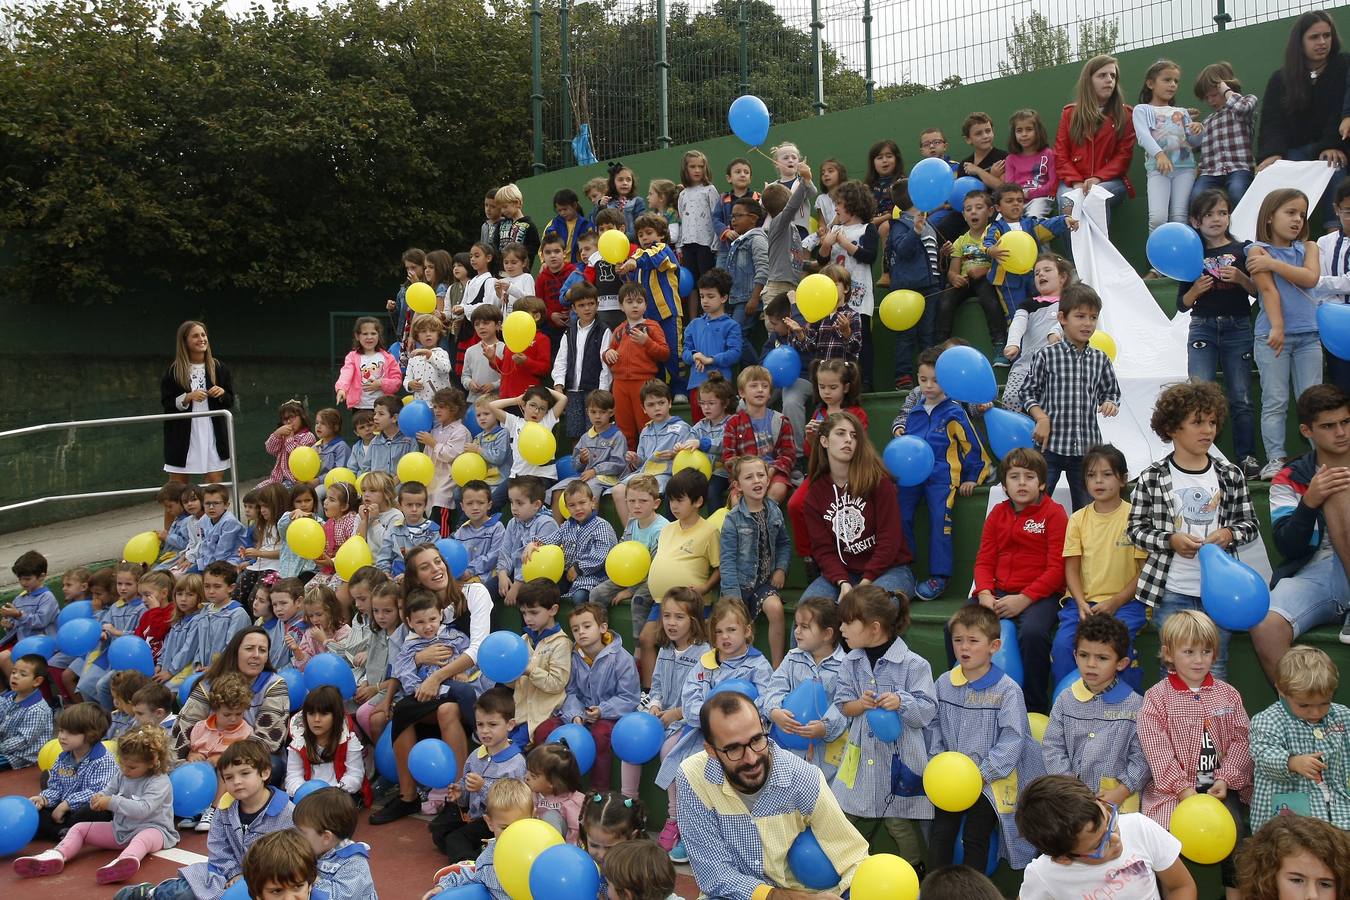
(1282, 129)
(178, 432)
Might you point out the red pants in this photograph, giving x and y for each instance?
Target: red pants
(796, 510)
(695, 411)
(628, 412)
(604, 757)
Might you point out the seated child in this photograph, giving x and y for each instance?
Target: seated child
(1034, 323)
(637, 349)
(328, 631)
(551, 772)
(326, 819)
(534, 406)
(333, 451)
(481, 534)
(74, 588)
(639, 870)
(173, 537)
(288, 625)
(428, 364)
(101, 595)
(968, 275)
(224, 618)
(422, 614)
(376, 686)
(608, 819)
(410, 529)
(494, 444)
(25, 717)
(508, 801)
(153, 705)
(282, 864)
(444, 443)
(325, 747)
(755, 550)
(716, 398)
(541, 690)
(363, 423)
(32, 612)
(599, 455)
(759, 431)
(526, 527)
(1295, 851)
(179, 651)
(655, 453)
(585, 537)
(229, 699)
(124, 686)
(1089, 849)
(817, 657)
(389, 444)
(222, 534)
(82, 770)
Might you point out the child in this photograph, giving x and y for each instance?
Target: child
(292, 431)
(738, 177)
(123, 686)
(527, 527)
(836, 338)
(281, 864)
(817, 657)
(912, 255)
(1035, 323)
(328, 630)
(326, 819)
(1284, 265)
(1291, 852)
(1030, 163)
(637, 348)
(655, 453)
(229, 699)
(1011, 202)
(852, 245)
(1299, 744)
(552, 274)
(482, 537)
(601, 272)
(222, 533)
(1090, 849)
(1101, 566)
(542, 688)
(759, 431)
(429, 364)
(1221, 326)
(101, 594)
(84, 768)
(480, 290)
(389, 444)
(579, 367)
(332, 449)
(716, 396)
(1334, 285)
(195, 517)
(880, 672)
(569, 224)
(832, 174)
(223, 618)
(639, 870)
(516, 281)
(422, 614)
(25, 717)
(747, 261)
(170, 497)
(698, 205)
(119, 619)
(151, 706)
(33, 611)
(288, 623)
(662, 199)
(534, 406)
(480, 375)
(980, 713)
(987, 161)
(755, 551)
(713, 341)
(263, 553)
(508, 801)
(376, 688)
(1167, 136)
(140, 800)
(1226, 142)
(968, 274)
(658, 271)
(623, 194)
(609, 819)
(1019, 570)
(585, 538)
(495, 445)
(602, 687)
(413, 528)
(959, 465)
(515, 227)
(551, 772)
(642, 498)
(363, 423)
(156, 590)
(1194, 730)
(400, 315)
(369, 371)
(444, 443)
(599, 455)
(1068, 384)
(788, 205)
(459, 835)
(1185, 500)
(523, 370)
(1092, 733)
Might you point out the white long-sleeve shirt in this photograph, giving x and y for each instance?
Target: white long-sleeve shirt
(569, 380)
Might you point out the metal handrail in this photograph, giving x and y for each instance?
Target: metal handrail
(124, 420)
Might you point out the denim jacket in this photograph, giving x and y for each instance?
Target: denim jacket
(909, 260)
(740, 548)
(748, 263)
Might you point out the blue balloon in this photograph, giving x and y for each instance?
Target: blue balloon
(1233, 593)
(637, 737)
(966, 375)
(567, 467)
(385, 761)
(308, 788)
(807, 860)
(1333, 324)
(415, 417)
(35, 645)
(472, 891)
(237, 891)
(295, 685)
(1064, 684)
(579, 741)
(194, 787)
(909, 459)
(1008, 430)
(18, 823)
(503, 656)
(785, 365)
(687, 282)
(1174, 249)
(564, 872)
(962, 186)
(327, 668)
(749, 119)
(396, 350)
(471, 422)
(79, 609)
(807, 702)
(1009, 655)
(455, 554)
(739, 685)
(432, 763)
(930, 183)
(885, 724)
(131, 652)
(79, 636)
(185, 689)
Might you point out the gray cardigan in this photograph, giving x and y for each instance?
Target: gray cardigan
(141, 803)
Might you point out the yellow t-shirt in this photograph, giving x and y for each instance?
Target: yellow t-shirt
(684, 557)
(1108, 555)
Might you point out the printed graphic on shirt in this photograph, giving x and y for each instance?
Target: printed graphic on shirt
(370, 371)
(1214, 263)
(1208, 762)
(1197, 509)
(1031, 526)
(846, 519)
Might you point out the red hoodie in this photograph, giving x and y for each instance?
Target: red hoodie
(1023, 552)
(538, 363)
(854, 536)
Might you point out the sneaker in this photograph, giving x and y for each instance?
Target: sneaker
(932, 588)
(394, 810)
(1250, 467)
(669, 836)
(644, 701)
(1272, 468)
(1345, 630)
(681, 398)
(1002, 362)
(204, 823)
(187, 823)
(118, 870)
(678, 854)
(904, 382)
(48, 862)
(143, 891)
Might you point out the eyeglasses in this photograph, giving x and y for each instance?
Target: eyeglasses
(1106, 838)
(936, 142)
(214, 503)
(734, 752)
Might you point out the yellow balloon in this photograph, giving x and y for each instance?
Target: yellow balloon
(546, 562)
(816, 297)
(304, 462)
(717, 519)
(537, 444)
(518, 848)
(692, 459)
(952, 781)
(361, 482)
(340, 473)
(562, 506)
(468, 467)
(352, 555)
(1205, 828)
(408, 399)
(901, 310)
(306, 539)
(48, 754)
(884, 876)
(111, 747)
(1022, 250)
(416, 466)
(143, 548)
(518, 331)
(1105, 343)
(1038, 722)
(421, 297)
(613, 246)
(627, 563)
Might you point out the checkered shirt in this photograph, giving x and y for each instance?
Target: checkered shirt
(1069, 385)
(823, 340)
(1226, 144)
(739, 439)
(1096, 738)
(585, 546)
(797, 668)
(482, 872)
(25, 725)
(1278, 734)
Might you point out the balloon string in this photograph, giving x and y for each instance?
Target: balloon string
(763, 154)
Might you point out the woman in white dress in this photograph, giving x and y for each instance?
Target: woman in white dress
(195, 382)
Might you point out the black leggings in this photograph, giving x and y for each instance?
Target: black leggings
(981, 822)
(950, 300)
(50, 829)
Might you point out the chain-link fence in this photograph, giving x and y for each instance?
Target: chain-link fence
(642, 74)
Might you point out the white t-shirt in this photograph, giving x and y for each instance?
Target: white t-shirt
(519, 466)
(1195, 511)
(1146, 849)
(372, 372)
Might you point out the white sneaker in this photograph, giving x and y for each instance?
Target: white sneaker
(204, 823)
(644, 701)
(1345, 630)
(1272, 468)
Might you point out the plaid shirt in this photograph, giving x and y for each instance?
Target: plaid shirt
(1276, 735)
(1069, 385)
(1172, 726)
(1095, 736)
(25, 725)
(738, 439)
(1153, 519)
(823, 339)
(481, 872)
(797, 668)
(344, 873)
(585, 546)
(75, 782)
(1226, 144)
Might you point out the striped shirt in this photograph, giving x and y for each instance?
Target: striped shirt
(797, 668)
(659, 273)
(1095, 736)
(585, 546)
(25, 725)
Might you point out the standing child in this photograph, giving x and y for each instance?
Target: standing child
(400, 316)
(713, 341)
(444, 443)
(569, 224)
(655, 453)
(292, 432)
(429, 364)
(534, 405)
(913, 252)
(759, 431)
(658, 271)
(460, 828)
(579, 368)
(747, 261)
(542, 688)
(716, 396)
(601, 272)
(585, 538)
(480, 375)
(637, 349)
(786, 205)
(623, 194)
(508, 801)
(885, 166)
(332, 449)
(663, 199)
(338, 527)
(599, 456)
(84, 768)
(738, 177)
(853, 244)
(25, 717)
(832, 174)
(327, 821)
(836, 338)
(1167, 136)
(699, 204)
(968, 275)
(642, 499)
(1030, 163)
(987, 162)
(480, 535)
(479, 291)
(1226, 142)
(515, 227)
(553, 274)
(527, 527)
(1035, 323)
(818, 659)
(551, 772)
(33, 611)
(523, 370)
(389, 444)
(369, 371)
(363, 425)
(755, 551)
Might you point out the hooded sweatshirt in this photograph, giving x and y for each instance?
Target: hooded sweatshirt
(852, 536)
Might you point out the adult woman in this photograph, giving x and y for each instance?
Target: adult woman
(1095, 139)
(1301, 109)
(196, 382)
(247, 654)
(853, 514)
(467, 608)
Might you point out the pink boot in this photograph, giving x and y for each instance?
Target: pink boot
(118, 870)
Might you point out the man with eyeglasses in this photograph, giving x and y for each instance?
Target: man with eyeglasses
(1091, 849)
(739, 802)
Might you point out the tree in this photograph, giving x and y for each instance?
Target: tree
(1036, 44)
(1097, 38)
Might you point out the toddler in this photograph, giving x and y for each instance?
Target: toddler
(551, 772)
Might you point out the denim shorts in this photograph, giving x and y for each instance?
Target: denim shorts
(1317, 595)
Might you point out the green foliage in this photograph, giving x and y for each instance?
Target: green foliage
(1036, 44)
(268, 153)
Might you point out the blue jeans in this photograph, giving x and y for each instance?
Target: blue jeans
(899, 578)
(173, 889)
(1173, 602)
(1329, 218)
(1072, 468)
(1226, 341)
(747, 322)
(914, 340)
(1132, 615)
(1234, 184)
(1301, 360)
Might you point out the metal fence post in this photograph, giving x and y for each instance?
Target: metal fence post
(662, 78)
(816, 62)
(565, 65)
(743, 25)
(867, 48)
(537, 83)
(1222, 18)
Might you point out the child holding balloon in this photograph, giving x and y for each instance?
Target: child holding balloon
(811, 667)
(912, 252)
(508, 801)
(585, 537)
(428, 364)
(460, 828)
(1015, 284)
(1035, 323)
(292, 432)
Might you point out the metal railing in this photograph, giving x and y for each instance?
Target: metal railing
(126, 420)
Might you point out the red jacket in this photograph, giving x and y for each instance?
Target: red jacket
(854, 536)
(538, 363)
(1023, 552)
(1105, 156)
(154, 626)
(548, 287)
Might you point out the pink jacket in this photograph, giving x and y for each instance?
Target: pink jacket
(210, 741)
(281, 448)
(349, 379)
